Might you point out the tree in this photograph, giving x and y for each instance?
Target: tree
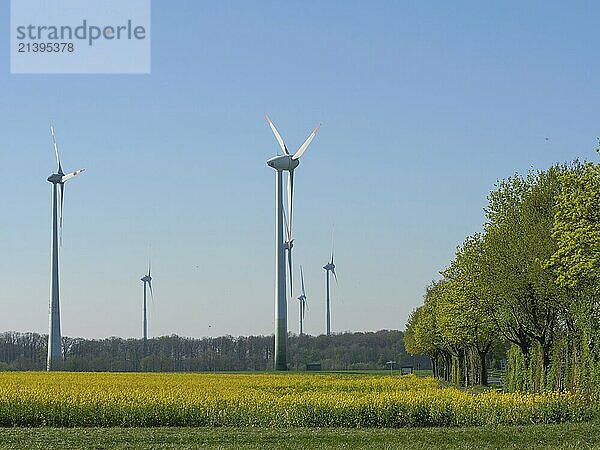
(467, 319)
(423, 335)
(576, 261)
(518, 244)
(576, 227)
(419, 336)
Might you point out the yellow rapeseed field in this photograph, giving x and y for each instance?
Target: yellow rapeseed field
(266, 400)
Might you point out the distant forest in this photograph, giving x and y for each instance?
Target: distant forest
(344, 351)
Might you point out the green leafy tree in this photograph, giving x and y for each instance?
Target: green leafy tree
(576, 263)
(518, 245)
(454, 326)
(576, 227)
(468, 317)
(423, 337)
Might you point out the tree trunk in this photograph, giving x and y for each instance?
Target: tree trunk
(483, 367)
(526, 361)
(448, 368)
(466, 364)
(461, 369)
(545, 365)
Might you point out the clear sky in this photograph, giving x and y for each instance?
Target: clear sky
(424, 105)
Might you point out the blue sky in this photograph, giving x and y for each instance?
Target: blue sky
(424, 105)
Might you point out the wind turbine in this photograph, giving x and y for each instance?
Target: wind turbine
(147, 280)
(329, 267)
(58, 180)
(286, 162)
(303, 304)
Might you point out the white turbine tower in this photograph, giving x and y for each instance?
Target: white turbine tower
(329, 267)
(57, 179)
(286, 162)
(147, 280)
(303, 303)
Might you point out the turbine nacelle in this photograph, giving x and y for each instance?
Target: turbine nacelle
(283, 162)
(55, 178)
(329, 266)
(146, 279)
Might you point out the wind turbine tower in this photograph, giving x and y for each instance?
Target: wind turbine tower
(329, 267)
(147, 280)
(283, 163)
(58, 181)
(303, 304)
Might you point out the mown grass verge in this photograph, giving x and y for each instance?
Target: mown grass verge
(532, 437)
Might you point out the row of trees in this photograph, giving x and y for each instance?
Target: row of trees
(345, 351)
(529, 282)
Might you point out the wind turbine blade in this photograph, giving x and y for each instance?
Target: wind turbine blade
(71, 175)
(335, 276)
(288, 225)
(290, 267)
(60, 172)
(277, 136)
(290, 204)
(302, 281)
(151, 291)
(60, 221)
(149, 262)
(332, 245)
(288, 231)
(304, 146)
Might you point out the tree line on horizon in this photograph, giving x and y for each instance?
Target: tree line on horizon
(529, 281)
(343, 351)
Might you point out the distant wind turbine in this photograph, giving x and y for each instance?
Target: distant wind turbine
(329, 267)
(303, 304)
(286, 162)
(147, 280)
(57, 179)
